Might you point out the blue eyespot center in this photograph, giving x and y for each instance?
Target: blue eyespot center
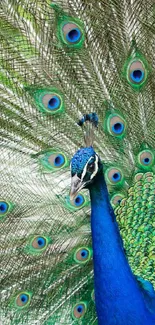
(54, 103)
(116, 177)
(146, 161)
(41, 241)
(137, 75)
(118, 128)
(80, 309)
(84, 253)
(24, 298)
(3, 207)
(73, 35)
(79, 200)
(59, 160)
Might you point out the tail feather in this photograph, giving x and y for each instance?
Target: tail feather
(93, 77)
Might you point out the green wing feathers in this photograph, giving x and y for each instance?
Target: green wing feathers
(59, 61)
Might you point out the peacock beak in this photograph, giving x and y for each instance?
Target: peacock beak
(76, 186)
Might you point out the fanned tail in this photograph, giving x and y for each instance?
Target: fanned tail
(59, 62)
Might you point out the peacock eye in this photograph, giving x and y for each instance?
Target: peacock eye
(116, 125)
(51, 102)
(72, 33)
(116, 199)
(23, 299)
(53, 161)
(39, 242)
(90, 168)
(48, 100)
(79, 310)
(79, 202)
(5, 208)
(114, 176)
(70, 30)
(136, 72)
(56, 160)
(82, 255)
(146, 159)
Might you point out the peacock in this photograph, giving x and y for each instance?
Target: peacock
(77, 162)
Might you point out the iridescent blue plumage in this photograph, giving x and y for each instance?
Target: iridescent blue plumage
(80, 159)
(119, 299)
(3, 207)
(91, 117)
(58, 62)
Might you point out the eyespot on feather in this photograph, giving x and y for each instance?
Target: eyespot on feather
(70, 30)
(57, 160)
(5, 208)
(72, 33)
(79, 310)
(80, 201)
(114, 176)
(39, 242)
(146, 159)
(53, 161)
(116, 199)
(23, 299)
(51, 101)
(48, 100)
(82, 255)
(116, 125)
(136, 72)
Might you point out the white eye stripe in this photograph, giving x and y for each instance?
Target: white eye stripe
(96, 167)
(85, 169)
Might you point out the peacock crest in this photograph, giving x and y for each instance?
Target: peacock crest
(77, 101)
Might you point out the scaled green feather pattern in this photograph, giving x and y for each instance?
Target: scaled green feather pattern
(91, 69)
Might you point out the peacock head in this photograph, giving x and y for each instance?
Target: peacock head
(85, 166)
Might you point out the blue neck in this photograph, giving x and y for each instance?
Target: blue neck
(117, 295)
